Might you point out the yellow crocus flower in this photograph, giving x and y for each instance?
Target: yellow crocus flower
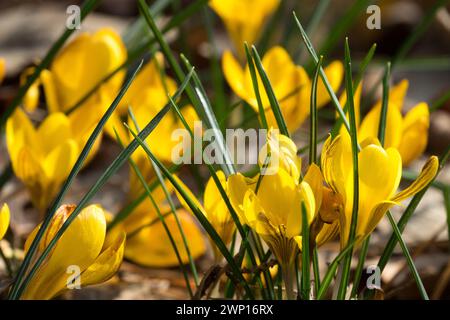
(4, 220)
(85, 246)
(283, 154)
(215, 210)
(380, 171)
(290, 83)
(80, 65)
(43, 157)
(274, 212)
(244, 19)
(408, 133)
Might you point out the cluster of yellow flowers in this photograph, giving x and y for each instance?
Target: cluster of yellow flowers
(271, 205)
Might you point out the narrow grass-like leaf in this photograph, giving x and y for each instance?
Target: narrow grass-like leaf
(313, 120)
(115, 165)
(129, 208)
(196, 95)
(354, 141)
(171, 204)
(251, 67)
(87, 7)
(202, 219)
(218, 84)
(211, 121)
(384, 105)
(331, 271)
(446, 194)
(409, 260)
(306, 279)
(316, 269)
(65, 187)
(343, 24)
(270, 94)
(242, 231)
(137, 53)
(360, 266)
(362, 69)
(313, 53)
(161, 218)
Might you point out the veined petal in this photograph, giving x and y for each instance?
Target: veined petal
(20, 133)
(415, 133)
(427, 174)
(58, 163)
(375, 217)
(4, 220)
(53, 130)
(315, 180)
(109, 260)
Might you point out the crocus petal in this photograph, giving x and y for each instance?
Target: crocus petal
(109, 260)
(151, 247)
(398, 92)
(369, 126)
(4, 220)
(54, 129)
(234, 74)
(427, 174)
(59, 162)
(31, 98)
(415, 133)
(19, 133)
(79, 246)
(2, 69)
(51, 93)
(315, 180)
(237, 186)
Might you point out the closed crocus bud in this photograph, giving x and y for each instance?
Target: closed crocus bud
(43, 157)
(280, 152)
(85, 247)
(290, 83)
(244, 19)
(379, 171)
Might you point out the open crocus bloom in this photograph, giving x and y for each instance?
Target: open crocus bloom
(241, 25)
(81, 65)
(43, 157)
(380, 171)
(148, 243)
(290, 83)
(408, 133)
(85, 245)
(215, 210)
(4, 220)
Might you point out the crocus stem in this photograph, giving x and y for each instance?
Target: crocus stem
(288, 272)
